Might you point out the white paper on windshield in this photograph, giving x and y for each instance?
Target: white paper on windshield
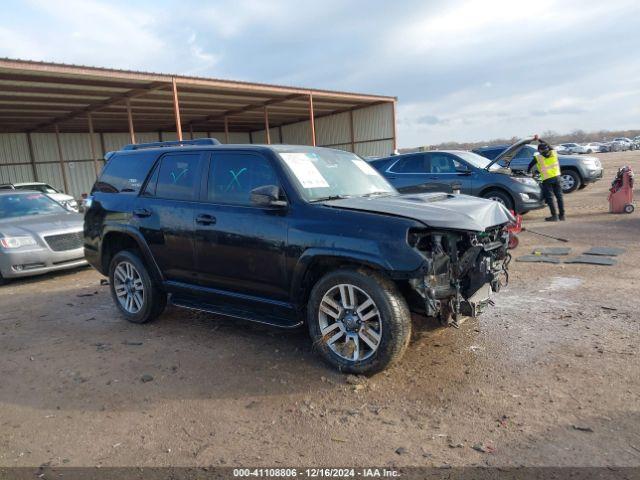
(365, 167)
(304, 170)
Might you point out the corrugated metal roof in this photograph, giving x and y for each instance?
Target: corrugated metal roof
(36, 95)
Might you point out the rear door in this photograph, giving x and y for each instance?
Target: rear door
(164, 213)
(410, 174)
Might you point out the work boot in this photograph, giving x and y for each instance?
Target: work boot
(562, 218)
(552, 218)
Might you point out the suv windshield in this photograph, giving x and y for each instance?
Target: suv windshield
(324, 174)
(24, 204)
(476, 160)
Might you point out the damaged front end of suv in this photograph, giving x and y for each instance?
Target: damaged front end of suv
(460, 271)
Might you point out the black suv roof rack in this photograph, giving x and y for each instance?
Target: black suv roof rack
(174, 143)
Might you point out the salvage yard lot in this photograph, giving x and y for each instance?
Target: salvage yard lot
(549, 376)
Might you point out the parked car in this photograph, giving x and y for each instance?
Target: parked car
(594, 147)
(37, 235)
(67, 201)
(444, 170)
(624, 142)
(614, 146)
(577, 171)
(287, 234)
(569, 148)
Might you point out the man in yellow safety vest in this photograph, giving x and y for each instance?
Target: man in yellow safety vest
(549, 168)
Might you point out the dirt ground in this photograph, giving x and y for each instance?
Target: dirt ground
(550, 376)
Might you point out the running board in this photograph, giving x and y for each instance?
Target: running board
(227, 310)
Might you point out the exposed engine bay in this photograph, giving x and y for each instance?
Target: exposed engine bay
(461, 269)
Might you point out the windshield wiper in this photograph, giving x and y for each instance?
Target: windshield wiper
(330, 197)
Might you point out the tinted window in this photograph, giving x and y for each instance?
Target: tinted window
(125, 173)
(177, 176)
(490, 153)
(526, 152)
(442, 163)
(411, 164)
(232, 176)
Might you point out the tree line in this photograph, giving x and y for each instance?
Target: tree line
(577, 136)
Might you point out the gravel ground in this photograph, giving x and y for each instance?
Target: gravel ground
(550, 376)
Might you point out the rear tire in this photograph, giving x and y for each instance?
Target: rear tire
(499, 196)
(358, 321)
(570, 181)
(3, 281)
(133, 291)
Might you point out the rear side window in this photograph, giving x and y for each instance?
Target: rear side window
(490, 153)
(232, 176)
(177, 176)
(411, 164)
(526, 152)
(124, 173)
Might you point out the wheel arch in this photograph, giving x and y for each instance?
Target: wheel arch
(314, 264)
(116, 239)
(498, 188)
(573, 168)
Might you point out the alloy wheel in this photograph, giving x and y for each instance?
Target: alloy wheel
(129, 287)
(497, 199)
(567, 182)
(350, 322)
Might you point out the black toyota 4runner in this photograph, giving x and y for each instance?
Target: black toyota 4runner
(286, 235)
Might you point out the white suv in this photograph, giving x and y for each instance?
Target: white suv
(67, 201)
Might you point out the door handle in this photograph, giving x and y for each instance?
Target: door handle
(141, 212)
(204, 219)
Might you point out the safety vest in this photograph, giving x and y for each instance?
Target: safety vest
(549, 167)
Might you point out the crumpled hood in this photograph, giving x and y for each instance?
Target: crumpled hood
(40, 224)
(436, 210)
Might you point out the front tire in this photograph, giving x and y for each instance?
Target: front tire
(358, 321)
(570, 181)
(500, 197)
(133, 291)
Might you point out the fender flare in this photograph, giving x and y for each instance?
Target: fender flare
(310, 255)
(133, 233)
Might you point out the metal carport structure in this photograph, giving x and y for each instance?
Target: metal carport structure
(57, 121)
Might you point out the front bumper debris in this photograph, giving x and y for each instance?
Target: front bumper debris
(461, 270)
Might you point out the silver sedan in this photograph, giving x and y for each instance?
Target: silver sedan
(37, 235)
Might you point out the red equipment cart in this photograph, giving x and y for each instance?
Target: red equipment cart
(514, 228)
(621, 192)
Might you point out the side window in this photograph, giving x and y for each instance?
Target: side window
(525, 153)
(150, 188)
(177, 176)
(411, 164)
(124, 173)
(232, 176)
(442, 163)
(492, 153)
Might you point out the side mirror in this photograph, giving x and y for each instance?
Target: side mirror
(267, 196)
(463, 171)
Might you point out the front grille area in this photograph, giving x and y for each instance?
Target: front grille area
(65, 241)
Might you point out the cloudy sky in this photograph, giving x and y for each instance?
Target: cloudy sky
(462, 70)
